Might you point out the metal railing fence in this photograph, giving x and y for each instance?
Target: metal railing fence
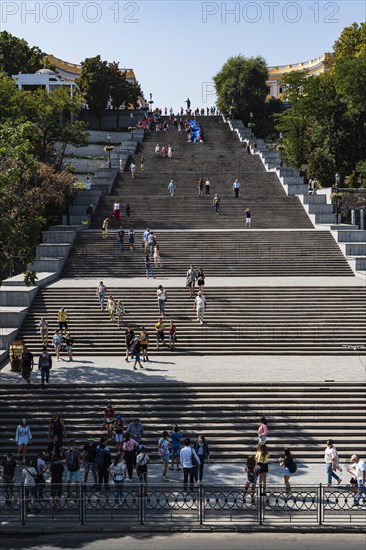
(205, 504)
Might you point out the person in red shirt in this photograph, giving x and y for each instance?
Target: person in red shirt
(172, 335)
(109, 417)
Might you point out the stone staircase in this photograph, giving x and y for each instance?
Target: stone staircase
(254, 320)
(238, 320)
(253, 253)
(221, 159)
(301, 416)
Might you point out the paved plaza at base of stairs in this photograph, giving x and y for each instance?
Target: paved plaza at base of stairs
(214, 282)
(200, 369)
(219, 473)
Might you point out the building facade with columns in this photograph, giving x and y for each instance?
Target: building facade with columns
(314, 67)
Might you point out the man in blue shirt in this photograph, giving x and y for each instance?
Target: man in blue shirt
(145, 238)
(136, 430)
(236, 187)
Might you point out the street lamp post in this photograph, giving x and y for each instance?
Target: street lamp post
(109, 151)
(131, 117)
(151, 102)
(337, 179)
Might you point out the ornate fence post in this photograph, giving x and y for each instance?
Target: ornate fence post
(141, 503)
(200, 504)
(261, 504)
(22, 505)
(320, 504)
(82, 504)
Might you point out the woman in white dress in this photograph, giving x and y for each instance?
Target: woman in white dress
(170, 152)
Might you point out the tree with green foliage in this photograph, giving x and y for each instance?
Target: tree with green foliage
(134, 93)
(241, 87)
(325, 125)
(122, 92)
(265, 119)
(17, 56)
(350, 82)
(94, 84)
(51, 113)
(329, 132)
(31, 193)
(35, 129)
(8, 92)
(293, 121)
(118, 85)
(360, 172)
(351, 43)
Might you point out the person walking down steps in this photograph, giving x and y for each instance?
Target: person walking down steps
(248, 218)
(45, 365)
(236, 188)
(148, 268)
(172, 188)
(200, 306)
(216, 202)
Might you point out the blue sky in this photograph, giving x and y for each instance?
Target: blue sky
(176, 47)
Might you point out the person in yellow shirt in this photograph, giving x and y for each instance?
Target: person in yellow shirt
(159, 327)
(144, 344)
(262, 458)
(62, 319)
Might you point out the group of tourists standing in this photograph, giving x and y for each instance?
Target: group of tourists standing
(257, 465)
(174, 450)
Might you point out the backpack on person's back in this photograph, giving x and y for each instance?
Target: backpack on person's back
(45, 360)
(99, 458)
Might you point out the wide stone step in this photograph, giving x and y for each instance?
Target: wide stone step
(232, 423)
(237, 320)
(245, 253)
